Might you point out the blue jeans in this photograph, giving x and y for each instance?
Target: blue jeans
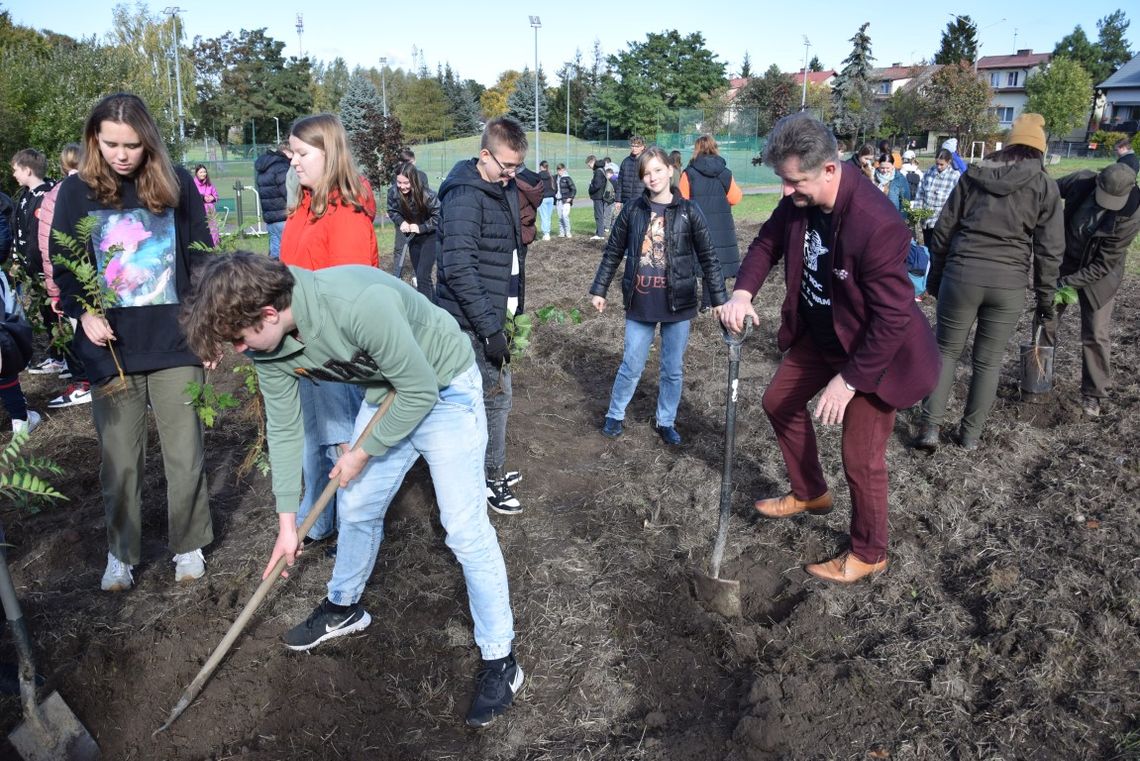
(328, 411)
(451, 439)
(545, 210)
(638, 339)
(275, 231)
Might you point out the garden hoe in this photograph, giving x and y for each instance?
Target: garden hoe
(717, 594)
(50, 731)
(250, 608)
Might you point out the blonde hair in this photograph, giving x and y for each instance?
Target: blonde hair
(155, 180)
(70, 157)
(341, 182)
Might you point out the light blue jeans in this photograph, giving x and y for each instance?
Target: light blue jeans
(545, 210)
(275, 231)
(638, 339)
(329, 413)
(451, 439)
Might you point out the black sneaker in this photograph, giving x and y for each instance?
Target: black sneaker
(496, 686)
(325, 623)
(501, 499)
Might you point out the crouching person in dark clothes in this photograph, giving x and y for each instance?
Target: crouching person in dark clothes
(359, 325)
(849, 327)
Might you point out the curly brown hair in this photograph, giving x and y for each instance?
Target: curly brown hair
(229, 293)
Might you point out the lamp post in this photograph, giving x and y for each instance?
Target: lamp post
(536, 23)
(278, 123)
(173, 11)
(567, 77)
(803, 98)
(384, 84)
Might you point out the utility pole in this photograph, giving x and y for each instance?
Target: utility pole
(384, 83)
(803, 98)
(536, 23)
(173, 11)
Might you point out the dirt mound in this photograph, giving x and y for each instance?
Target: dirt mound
(1007, 625)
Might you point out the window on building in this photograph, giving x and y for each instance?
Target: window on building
(1004, 114)
(995, 79)
(885, 87)
(1011, 78)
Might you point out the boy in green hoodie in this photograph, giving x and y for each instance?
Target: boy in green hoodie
(360, 325)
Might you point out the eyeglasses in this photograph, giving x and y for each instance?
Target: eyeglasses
(504, 168)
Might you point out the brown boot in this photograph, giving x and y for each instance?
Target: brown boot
(845, 569)
(789, 505)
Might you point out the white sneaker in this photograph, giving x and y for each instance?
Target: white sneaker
(48, 366)
(546, 236)
(75, 393)
(117, 577)
(596, 237)
(569, 235)
(189, 566)
(26, 426)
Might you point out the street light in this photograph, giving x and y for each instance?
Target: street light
(278, 123)
(803, 98)
(567, 78)
(536, 23)
(384, 84)
(173, 11)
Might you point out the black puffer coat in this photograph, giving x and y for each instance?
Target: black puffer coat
(709, 181)
(271, 169)
(628, 186)
(479, 233)
(688, 252)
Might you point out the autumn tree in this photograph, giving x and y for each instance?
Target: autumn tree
(958, 101)
(425, 112)
(494, 99)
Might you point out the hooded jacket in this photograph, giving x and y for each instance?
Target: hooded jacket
(891, 351)
(689, 251)
(1096, 240)
(597, 188)
(628, 188)
(480, 234)
(270, 172)
(1002, 219)
(708, 182)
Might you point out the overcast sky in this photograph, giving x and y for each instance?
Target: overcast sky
(480, 42)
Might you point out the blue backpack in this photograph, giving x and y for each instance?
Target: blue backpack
(918, 266)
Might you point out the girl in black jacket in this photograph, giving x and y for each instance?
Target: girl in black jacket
(415, 212)
(666, 244)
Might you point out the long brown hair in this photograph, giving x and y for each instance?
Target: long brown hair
(414, 205)
(155, 180)
(324, 131)
(705, 146)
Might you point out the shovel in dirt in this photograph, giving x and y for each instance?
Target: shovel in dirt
(50, 731)
(238, 626)
(714, 593)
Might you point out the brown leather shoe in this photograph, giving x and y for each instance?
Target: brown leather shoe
(788, 505)
(845, 569)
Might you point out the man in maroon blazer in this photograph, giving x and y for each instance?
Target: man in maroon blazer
(849, 326)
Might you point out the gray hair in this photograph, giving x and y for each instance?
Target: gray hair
(802, 136)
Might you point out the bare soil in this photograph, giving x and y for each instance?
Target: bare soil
(1006, 626)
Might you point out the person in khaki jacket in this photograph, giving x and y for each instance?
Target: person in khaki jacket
(1102, 217)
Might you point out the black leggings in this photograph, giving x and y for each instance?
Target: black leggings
(422, 250)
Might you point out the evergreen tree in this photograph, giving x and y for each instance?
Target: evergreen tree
(520, 103)
(1076, 47)
(464, 107)
(362, 114)
(1114, 49)
(959, 42)
(330, 82)
(851, 94)
(814, 64)
(425, 112)
(746, 66)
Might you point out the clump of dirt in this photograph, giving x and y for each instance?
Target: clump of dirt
(1006, 626)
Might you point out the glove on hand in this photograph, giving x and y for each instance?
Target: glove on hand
(1045, 312)
(496, 349)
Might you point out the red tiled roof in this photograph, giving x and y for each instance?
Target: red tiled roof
(1022, 61)
(895, 72)
(814, 77)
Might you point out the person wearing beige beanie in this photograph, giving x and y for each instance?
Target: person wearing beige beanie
(1003, 221)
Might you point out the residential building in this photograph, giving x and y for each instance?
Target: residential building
(1122, 98)
(1006, 76)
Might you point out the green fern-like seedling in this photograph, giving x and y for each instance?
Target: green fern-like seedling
(24, 479)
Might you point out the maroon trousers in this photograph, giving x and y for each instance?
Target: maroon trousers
(867, 425)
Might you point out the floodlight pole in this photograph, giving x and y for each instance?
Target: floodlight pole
(537, 24)
(173, 11)
(567, 93)
(803, 98)
(278, 123)
(384, 84)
